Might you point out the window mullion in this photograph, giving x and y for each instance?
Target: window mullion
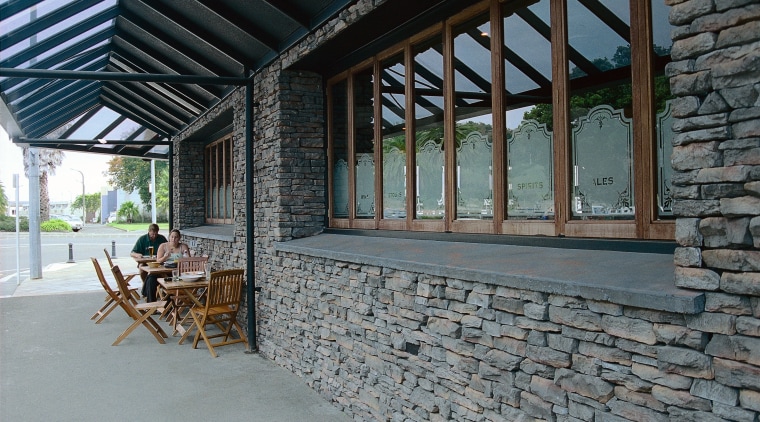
(498, 106)
(561, 122)
(449, 128)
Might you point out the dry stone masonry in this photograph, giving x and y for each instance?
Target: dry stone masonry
(388, 344)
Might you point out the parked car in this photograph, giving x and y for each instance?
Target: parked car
(75, 222)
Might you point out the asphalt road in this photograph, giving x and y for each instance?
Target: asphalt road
(55, 247)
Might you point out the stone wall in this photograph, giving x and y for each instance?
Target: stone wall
(386, 344)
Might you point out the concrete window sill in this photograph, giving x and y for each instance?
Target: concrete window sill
(222, 232)
(639, 279)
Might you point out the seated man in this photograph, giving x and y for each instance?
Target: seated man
(146, 244)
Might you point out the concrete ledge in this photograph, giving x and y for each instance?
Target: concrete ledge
(222, 232)
(642, 280)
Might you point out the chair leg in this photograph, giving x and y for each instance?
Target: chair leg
(202, 332)
(109, 300)
(143, 320)
(103, 316)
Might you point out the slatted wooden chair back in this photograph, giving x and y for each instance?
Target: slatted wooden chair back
(140, 313)
(127, 276)
(108, 257)
(112, 298)
(223, 296)
(225, 289)
(193, 263)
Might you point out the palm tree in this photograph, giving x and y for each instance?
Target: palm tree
(128, 211)
(3, 200)
(49, 159)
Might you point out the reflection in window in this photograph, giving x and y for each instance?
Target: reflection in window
(428, 107)
(364, 133)
(474, 128)
(339, 130)
(394, 139)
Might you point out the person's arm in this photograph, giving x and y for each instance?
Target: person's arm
(137, 250)
(163, 253)
(186, 250)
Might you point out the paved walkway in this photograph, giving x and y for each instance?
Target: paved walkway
(56, 364)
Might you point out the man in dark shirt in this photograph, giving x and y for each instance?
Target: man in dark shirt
(144, 242)
(142, 247)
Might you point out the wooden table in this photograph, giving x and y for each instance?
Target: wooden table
(144, 259)
(182, 289)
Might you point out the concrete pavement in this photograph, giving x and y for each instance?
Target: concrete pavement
(57, 364)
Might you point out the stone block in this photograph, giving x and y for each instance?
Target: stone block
(607, 354)
(687, 232)
(633, 412)
(733, 413)
(584, 385)
(739, 348)
(713, 230)
(715, 392)
(741, 283)
(721, 190)
(691, 83)
(712, 323)
(656, 376)
(629, 381)
(741, 206)
(629, 328)
(535, 406)
(727, 304)
(680, 398)
(548, 356)
(548, 391)
(686, 362)
(684, 12)
(511, 305)
(693, 154)
(748, 326)
(684, 257)
(586, 365)
(696, 208)
(685, 415)
(502, 360)
(537, 311)
(562, 343)
(696, 278)
(732, 260)
(444, 327)
(677, 335)
(577, 318)
(737, 374)
(639, 398)
(749, 399)
(605, 307)
(732, 174)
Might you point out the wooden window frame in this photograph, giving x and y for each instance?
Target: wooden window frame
(217, 169)
(645, 224)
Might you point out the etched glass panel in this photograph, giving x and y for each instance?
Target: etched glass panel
(603, 165)
(339, 130)
(475, 177)
(394, 140)
(428, 109)
(364, 133)
(664, 168)
(430, 177)
(530, 172)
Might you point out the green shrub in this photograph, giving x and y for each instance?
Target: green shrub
(8, 224)
(55, 225)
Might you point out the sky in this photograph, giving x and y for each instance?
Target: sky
(65, 185)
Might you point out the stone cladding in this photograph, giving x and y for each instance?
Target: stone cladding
(386, 344)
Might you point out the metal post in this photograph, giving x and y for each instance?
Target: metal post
(84, 201)
(16, 185)
(71, 254)
(113, 249)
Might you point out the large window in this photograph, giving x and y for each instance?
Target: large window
(523, 117)
(218, 181)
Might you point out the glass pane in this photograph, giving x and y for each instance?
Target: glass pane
(364, 132)
(530, 170)
(602, 165)
(228, 208)
(599, 32)
(664, 168)
(474, 122)
(428, 105)
(394, 139)
(530, 190)
(339, 131)
(661, 28)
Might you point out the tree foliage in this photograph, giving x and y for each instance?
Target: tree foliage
(92, 201)
(133, 174)
(128, 211)
(3, 200)
(49, 160)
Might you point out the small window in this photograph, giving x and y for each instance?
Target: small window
(218, 181)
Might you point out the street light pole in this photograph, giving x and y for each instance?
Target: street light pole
(84, 200)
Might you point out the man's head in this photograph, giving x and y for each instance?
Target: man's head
(153, 231)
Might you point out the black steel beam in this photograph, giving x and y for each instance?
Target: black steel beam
(113, 76)
(43, 141)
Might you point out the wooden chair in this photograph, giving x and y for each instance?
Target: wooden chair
(113, 297)
(140, 313)
(222, 304)
(128, 276)
(177, 303)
